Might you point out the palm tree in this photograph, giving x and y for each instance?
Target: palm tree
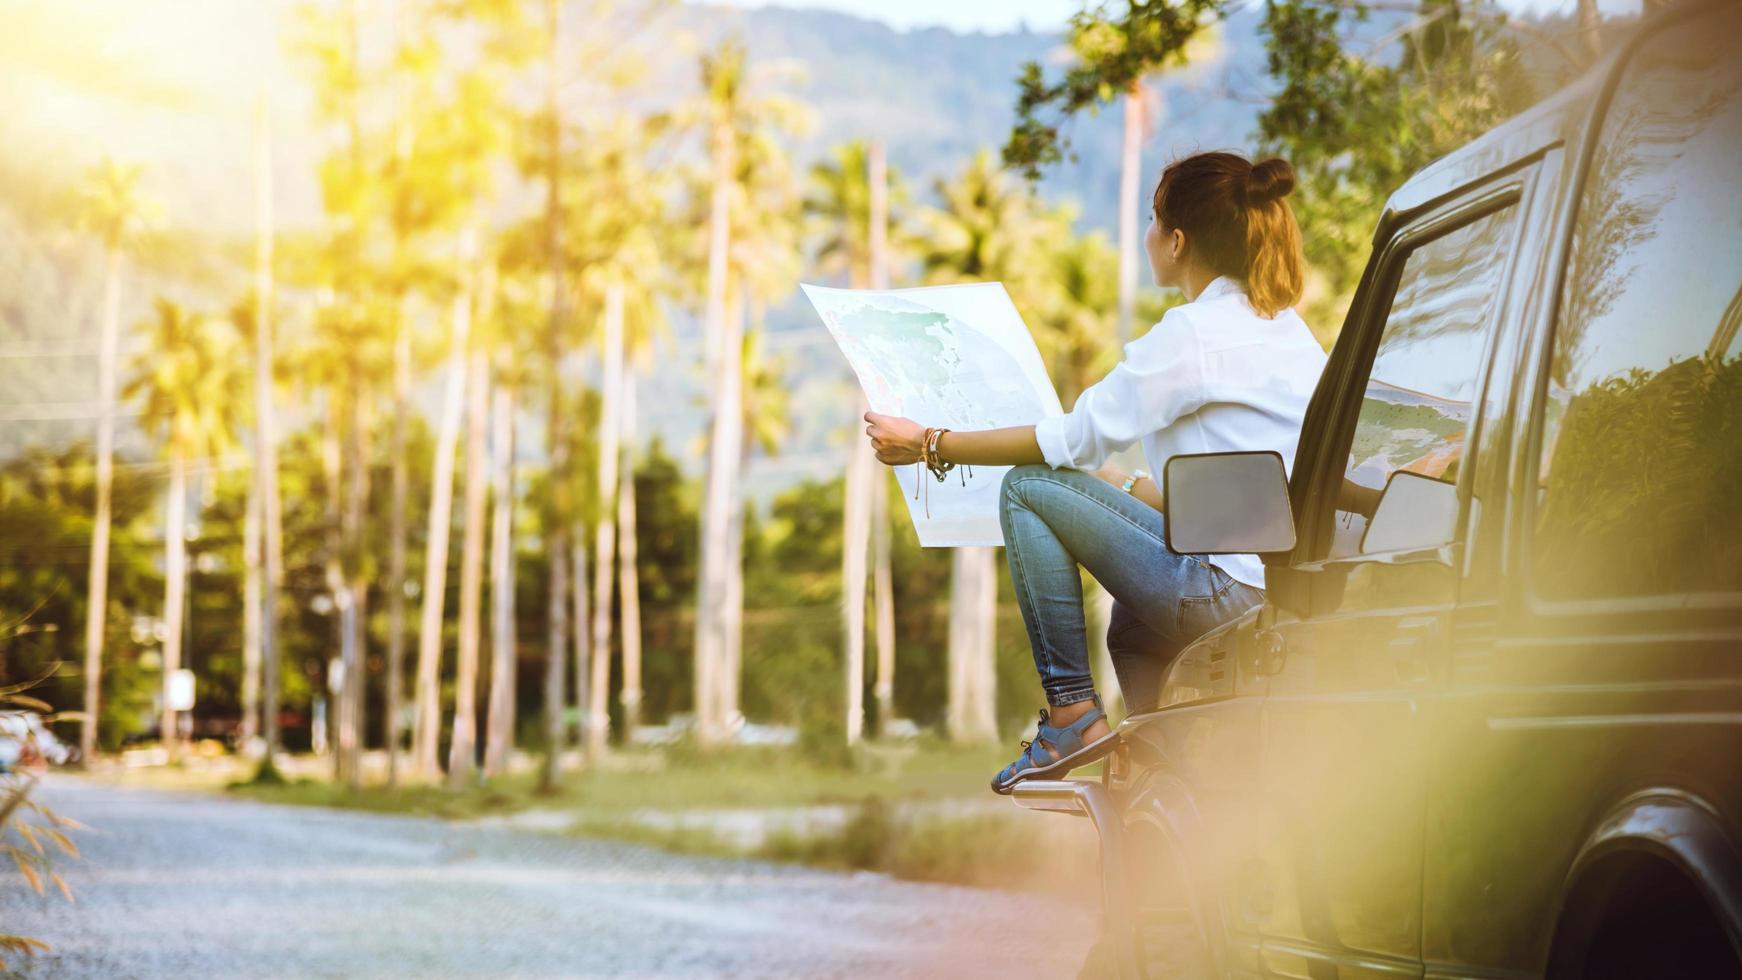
(113, 208)
(628, 576)
(605, 518)
(258, 580)
(427, 723)
(619, 204)
(1130, 165)
(735, 116)
(455, 182)
(462, 749)
(186, 379)
(850, 196)
(767, 421)
(982, 231)
(882, 571)
(263, 493)
(499, 724)
(556, 524)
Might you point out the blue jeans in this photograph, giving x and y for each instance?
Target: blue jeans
(1057, 520)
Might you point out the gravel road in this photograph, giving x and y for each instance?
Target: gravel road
(193, 886)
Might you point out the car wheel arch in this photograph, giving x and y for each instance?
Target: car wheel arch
(1657, 828)
(1167, 809)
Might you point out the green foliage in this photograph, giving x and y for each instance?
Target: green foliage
(667, 542)
(46, 504)
(1356, 127)
(1641, 486)
(1115, 46)
(1354, 122)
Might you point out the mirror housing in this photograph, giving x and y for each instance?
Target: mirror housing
(1227, 503)
(1414, 512)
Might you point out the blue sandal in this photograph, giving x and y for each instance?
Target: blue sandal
(1036, 761)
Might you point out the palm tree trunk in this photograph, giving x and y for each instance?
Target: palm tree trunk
(265, 430)
(174, 586)
(557, 541)
(1130, 165)
(725, 437)
(352, 619)
(499, 729)
(973, 684)
(882, 601)
(628, 577)
(732, 651)
(882, 576)
(605, 522)
(333, 571)
(723, 568)
(463, 749)
(857, 521)
(428, 722)
(556, 639)
(97, 585)
(396, 548)
(581, 591)
(250, 727)
(397, 573)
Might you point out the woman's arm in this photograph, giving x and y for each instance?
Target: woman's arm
(1144, 488)
(898, 440)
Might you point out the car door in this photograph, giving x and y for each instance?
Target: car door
(1609, 672)
(1363, 615)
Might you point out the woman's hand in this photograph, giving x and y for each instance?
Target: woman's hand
(896, 440)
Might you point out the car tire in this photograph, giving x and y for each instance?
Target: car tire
(1653, 925)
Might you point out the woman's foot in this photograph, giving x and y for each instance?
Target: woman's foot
(1068, 714)
(1064, 740)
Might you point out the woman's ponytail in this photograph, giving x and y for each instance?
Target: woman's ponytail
(1275, 269)
(1236, 218)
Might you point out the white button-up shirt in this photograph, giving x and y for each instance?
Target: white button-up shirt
(1212, 376)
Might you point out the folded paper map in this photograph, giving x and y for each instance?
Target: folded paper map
(952, 356)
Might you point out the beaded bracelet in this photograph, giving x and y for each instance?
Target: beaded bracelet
(937, 465)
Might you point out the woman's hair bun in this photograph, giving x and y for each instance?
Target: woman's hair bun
(1269, 180)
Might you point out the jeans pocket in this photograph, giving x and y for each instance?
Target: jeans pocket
(1199, 614)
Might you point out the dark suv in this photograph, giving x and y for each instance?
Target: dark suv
(1489, 721)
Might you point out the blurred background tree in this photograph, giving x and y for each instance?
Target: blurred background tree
(537, 223)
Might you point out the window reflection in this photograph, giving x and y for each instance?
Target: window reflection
(1640, 466)
(1415, 413)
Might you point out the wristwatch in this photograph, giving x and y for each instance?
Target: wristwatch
(1131, 480)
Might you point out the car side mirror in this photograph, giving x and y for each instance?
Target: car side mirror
(1227, 503)
(1414, 512)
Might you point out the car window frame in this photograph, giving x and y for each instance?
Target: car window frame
(1345, 387)
(1542, 350)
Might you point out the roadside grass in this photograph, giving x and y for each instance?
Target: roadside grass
(679, 778)
(1011, 849)
(919, 811)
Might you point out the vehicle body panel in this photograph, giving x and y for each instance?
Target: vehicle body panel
(1416, 761)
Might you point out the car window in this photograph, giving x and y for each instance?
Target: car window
(1640, 478)
(1415, 412)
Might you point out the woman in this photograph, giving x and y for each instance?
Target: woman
(1229, 370)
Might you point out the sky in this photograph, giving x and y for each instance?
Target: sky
(1003, 16)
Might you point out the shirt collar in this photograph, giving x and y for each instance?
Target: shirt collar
(1220, 286)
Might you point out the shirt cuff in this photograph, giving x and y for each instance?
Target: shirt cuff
(1049, 432)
